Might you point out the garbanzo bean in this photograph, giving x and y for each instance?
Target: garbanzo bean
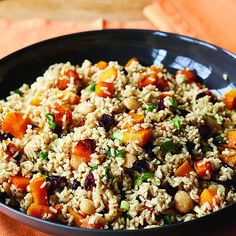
(87, 207)
(131, 103)
(183, 202)
(85, 108)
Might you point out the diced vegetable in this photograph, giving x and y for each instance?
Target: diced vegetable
(124, 206)
(137, 119)
(107, 172)
(145, 176)
(218, 140)
(231, 138)
(85, 224)
(156, 69)
(91, 87)
(16, 124)
(168, 146)
(184, 169)
(38, 189)
(109, 75)
(101, 65)
(20, 182)
(130, 61)
(51, 120)
(177, 123)
(36, 101)
(77, 216)
(104, 89)
(141, 136)
(168, 219)
(118, 135)
(61, 111)
(72, 74)
(120, 153)
(203, 168)
(191, 76)
(210, 196)
(82, 152)
(172, 103)
(147, 80)
(73, 98)
(229, 158)
(43, 155)
(40, 211)
(62, 83)
(18, 91)
(138, 182)
(93, 168)
(229, 99)
(150, 108)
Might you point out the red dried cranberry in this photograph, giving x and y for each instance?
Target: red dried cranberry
(149, 150)
(11, 150)
(200, 95)
(5, 137)
(107, 121)
(204, 131)
(161, 105)
(141, 166)
(55, 183)
(75, 184)
(89, 182)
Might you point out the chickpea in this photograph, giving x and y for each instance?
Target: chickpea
(85, 108)
(131, 103)
(129, 160)
(87, 207)
(183, 202)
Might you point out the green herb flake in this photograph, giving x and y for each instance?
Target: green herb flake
(108, 153)
(219, 119)
(150, 108)
(177, 123)
(51, 120)
(120, 153)
(43, 155)
(207, 149)
(168, 146)
(168, 219)
(91, 87)
(107, 173)
(218, 140)
(138, 182)
(172, 102)
(44, 176)
(18, 91)
(124, 206)
(93, 168)
(146, 176)
(118, 135)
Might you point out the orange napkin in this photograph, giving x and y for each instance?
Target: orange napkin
(209, 20)
(21, 33)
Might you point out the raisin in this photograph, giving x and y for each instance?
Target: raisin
(56, 183)
(141, 166)
(107, 122)
(204, 131)
(89, 182)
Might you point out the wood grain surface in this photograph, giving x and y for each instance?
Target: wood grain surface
(121, 10)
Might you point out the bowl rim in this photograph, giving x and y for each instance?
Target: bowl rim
(155, 33)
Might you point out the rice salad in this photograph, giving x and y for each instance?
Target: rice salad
(105, 146)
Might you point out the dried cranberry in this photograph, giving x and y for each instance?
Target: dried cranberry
(141, 166)
(107, 121)
(75, 184)
(190, 146)
(58, 130)
(11, 150)
(89, 182)
(56, 183)
(200, 95)
(161, 105)
(204, 131)
(5, 137)
(149, 150)
(183, 112)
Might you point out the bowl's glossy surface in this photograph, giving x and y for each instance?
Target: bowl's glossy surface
(151, 47)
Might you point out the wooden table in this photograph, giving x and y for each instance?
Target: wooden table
(121, 10)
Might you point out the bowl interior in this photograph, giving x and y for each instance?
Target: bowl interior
(150, 47)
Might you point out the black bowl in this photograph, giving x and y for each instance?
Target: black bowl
(151, 47)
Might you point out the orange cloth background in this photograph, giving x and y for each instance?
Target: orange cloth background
(210, 20)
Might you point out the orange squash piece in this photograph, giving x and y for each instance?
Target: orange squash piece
(59, 112)
(147, 80)
(231, 138)
(85, 224)
(15, 124)
(138, 119)
(203, 169)
(40, 211)
(184, 169)
(129, 62)
(20, 182)
(39, 191)
(62, 83)
(82, 152)
(73, 99)
(36, 101)
(156, 69)
(108, 75)
(77, 217)
(101, 65)
(208, 195)
(230, 158)
(190, 75)
(104, 89)
(229, 99)
(142, 136)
